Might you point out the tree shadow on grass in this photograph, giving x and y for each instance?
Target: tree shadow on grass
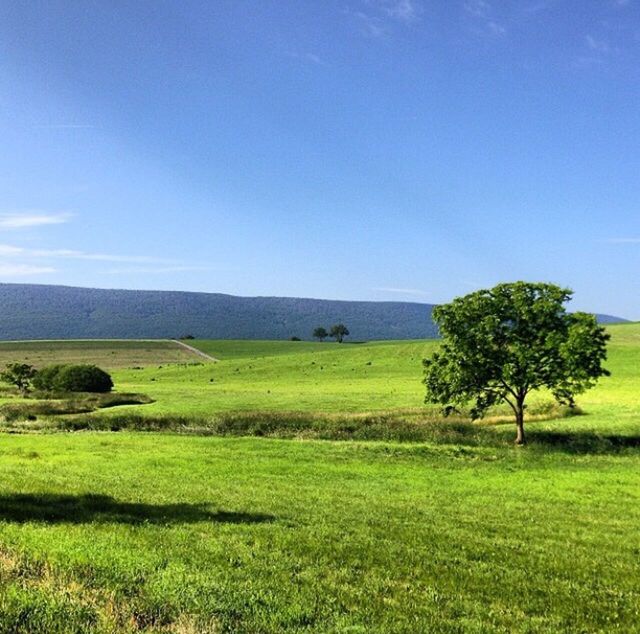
(584, 442)
(78, 509)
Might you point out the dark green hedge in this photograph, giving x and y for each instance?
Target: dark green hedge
(73, 378)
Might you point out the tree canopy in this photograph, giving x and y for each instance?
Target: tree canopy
(73, 378)
(499, 345)
(18, 374)
(339, 332)
(320, 333)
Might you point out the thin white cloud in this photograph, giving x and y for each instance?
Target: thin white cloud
(599, 46)
(307, 57)
(477, 8)
(18, 270)
(537, 7)
(402, 291)
(403, 10)
(157, 270)
(482, 14)
(9, 250)
(32, 218)
(377, 18)
(370, 25)
(64, 126)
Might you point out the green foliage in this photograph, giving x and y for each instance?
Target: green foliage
(499, 345)
(294, 338)
(339, 332)
(45, 378)
(320, 333)
(18, 374)
(74, 378)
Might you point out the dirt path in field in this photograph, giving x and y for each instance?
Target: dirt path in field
(195, 350)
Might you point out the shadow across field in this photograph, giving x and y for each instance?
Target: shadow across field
(584, 442)
(79, 509)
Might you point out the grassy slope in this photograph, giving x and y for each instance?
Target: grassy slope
(322, 536)
(328, 377)
(108, 354)
(287, 376)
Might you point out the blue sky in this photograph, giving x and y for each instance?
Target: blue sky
(350, 149)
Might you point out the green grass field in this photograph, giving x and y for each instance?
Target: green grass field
(161, 532)
(109, 354)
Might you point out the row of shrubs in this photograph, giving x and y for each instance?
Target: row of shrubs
(57, 378)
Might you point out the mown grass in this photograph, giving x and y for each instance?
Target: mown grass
(132, 532)
(327, 378)
(108, 354)
(451, 530)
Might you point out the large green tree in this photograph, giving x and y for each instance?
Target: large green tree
(499, 345)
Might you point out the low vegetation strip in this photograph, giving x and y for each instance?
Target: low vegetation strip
(407, 426)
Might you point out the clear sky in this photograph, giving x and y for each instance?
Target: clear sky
(349, 149)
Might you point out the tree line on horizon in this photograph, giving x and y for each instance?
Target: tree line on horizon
(337, 331)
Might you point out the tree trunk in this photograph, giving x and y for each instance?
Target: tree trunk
(520, 440)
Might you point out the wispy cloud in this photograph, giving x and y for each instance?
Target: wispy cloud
(536, 7)
(483, 15)
(157, 270)
(18, 270)
(370, 25)
(63, 126)
(32, 218)
(597, 45)
(402, 10)
(12, 251)
(401, 291)
(377, 18)
(310, 58)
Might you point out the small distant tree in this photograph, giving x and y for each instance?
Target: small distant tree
(20, 375)
(339, 332)
(320, 333)
(499, 345)
(183, 337)
(294, 338)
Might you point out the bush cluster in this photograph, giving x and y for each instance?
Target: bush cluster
(72, 378)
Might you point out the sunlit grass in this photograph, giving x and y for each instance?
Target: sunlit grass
(460, 532)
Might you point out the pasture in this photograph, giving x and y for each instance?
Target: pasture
(109, 354)
(162, 532)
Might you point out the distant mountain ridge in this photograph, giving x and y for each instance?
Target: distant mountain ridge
(40, 311)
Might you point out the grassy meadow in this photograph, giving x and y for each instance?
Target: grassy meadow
(110, 354)
(461, 532)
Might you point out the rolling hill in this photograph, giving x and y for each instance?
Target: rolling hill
(35, 311)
